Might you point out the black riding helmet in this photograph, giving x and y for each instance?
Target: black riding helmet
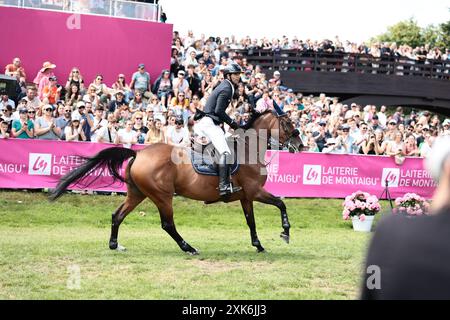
(233, 68)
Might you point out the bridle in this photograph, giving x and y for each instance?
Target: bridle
(294, 134)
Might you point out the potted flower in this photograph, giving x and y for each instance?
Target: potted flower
(411, 204)
(361, 207)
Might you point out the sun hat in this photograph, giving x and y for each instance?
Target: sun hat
(47, 65)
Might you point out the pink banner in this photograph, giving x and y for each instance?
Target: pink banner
(40, 164)
(95, 44)
(34, 164)
(337, 176)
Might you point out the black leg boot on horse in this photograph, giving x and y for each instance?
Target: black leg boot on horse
(225, 185)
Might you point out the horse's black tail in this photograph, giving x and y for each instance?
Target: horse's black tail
(111, 158)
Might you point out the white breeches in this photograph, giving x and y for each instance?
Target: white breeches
(206, 128)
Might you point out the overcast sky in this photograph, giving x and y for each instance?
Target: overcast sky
(315, 19)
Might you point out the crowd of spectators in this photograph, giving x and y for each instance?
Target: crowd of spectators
(147, 111)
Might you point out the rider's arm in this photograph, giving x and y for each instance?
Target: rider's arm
(223, 100)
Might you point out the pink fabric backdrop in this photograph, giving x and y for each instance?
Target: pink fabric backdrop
(337, 176)
(40, 164)
(97, 44)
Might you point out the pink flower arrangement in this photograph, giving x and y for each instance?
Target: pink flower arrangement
(411, 204)
(360, 204)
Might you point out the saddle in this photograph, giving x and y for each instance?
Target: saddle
(205, 159)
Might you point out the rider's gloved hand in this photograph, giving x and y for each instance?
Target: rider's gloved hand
(233, 125)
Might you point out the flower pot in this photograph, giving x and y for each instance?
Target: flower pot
(363, 226)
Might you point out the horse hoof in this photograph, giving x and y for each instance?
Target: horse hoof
(193, 253)
(261, 250)
(121, 248)
(285, 237)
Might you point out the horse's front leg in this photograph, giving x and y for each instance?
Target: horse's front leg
(247, 206)
(264, 197)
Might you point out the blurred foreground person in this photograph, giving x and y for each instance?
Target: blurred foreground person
(409, 258)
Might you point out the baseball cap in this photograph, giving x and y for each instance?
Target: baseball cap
(52, 78)
(23, 110)
(81, 104)
(276, 73)
(181, 72)
(141, 65)
(76, 117)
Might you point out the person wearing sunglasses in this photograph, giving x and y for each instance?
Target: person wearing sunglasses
(52, 91)
(139, 127)
(75, 78)
(121, 85)
(100, 88)
(46, 128)
(63, 120)
(23, 128)
(162, 87)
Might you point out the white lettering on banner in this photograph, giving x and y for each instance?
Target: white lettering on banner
(341, 171)
(64, 164)
(418, 174)
(39, 164)
(272, 168)
(283, 178)
(424, 183)
(363, 181)
(312, 175)
(322, 175)
(11, 168)
(406, 178)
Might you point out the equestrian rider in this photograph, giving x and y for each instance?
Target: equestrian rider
(214, 115)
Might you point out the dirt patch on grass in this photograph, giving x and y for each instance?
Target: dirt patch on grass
(208, 266)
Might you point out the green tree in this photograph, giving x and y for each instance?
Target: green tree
(445, 35)
(403, 32)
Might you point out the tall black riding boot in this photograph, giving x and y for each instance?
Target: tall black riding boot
(225, 185)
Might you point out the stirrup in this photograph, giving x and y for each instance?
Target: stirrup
(229, 190)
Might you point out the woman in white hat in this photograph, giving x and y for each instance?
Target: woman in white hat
(74, 131)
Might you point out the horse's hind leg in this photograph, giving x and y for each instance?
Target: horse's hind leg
(132, 200)
(167, 223)
(247, 206)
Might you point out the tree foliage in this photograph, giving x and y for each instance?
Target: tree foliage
(409, 32)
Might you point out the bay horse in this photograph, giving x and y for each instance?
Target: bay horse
(152, 173)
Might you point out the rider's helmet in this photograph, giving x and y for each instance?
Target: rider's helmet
(232, 68)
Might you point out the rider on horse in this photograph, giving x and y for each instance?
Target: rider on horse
(214, 115)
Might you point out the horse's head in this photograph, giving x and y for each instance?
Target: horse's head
(288, 136)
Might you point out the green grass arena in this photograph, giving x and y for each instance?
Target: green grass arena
(42, 243)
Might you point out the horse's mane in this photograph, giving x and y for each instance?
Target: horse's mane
(255, 115)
